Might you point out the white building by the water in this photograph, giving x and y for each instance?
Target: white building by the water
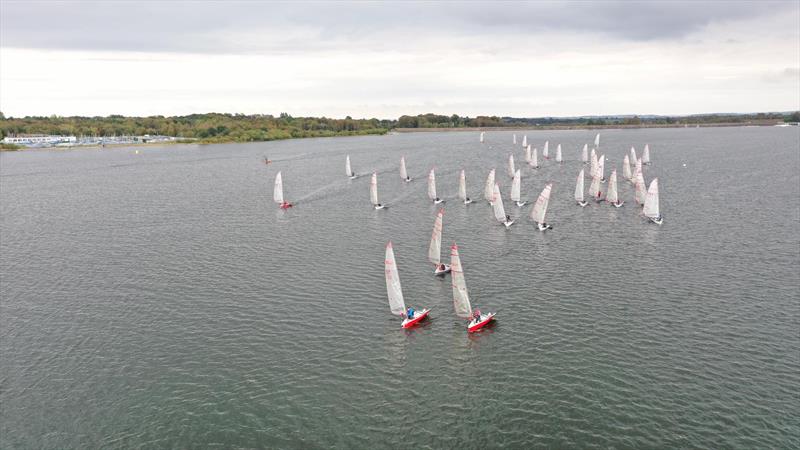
(39, 139)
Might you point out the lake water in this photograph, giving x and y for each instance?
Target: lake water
(162, 300)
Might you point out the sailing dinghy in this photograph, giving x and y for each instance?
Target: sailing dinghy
(585, 154)
(545, 151)
(612, 196)
(395, 292)
(373, 192)
(516, 186)
(461, 303)
(499, 210)
(601, 168)
(511, 167)
(435, 249)
(633, 157)
(646, 154)
(488, 189)
(277, 193)
(348, 169)
(515, 139)
(597, 141)
(558, 154)
(525, 140)
(540, 208)
(594, 189)
(403, 171)
(482, 134)
(432, 188)
(579, 190)
(593, 161)
(651, 210)
(639, 192)
(528, 154)
(462, 188)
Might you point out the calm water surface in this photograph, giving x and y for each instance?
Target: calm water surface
(161, 300)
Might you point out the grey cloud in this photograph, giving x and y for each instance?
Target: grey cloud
(240, 27)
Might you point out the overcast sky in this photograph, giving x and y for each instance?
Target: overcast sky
(388, 59)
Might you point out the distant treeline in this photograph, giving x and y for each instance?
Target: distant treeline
(215, 127)
(212, 127)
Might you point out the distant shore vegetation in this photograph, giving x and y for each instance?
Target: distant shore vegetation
(218, 127)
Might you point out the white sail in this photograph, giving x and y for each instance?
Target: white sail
(347, 166)
(545, 151)
(482, 133)
(432, 185)
(639, 192)
(626, 168)
(585, 153)
(435, 249)
(525, 140)
(540, 208)
(516, 185)
(373, 189)
(593, 167)
(515, 139)
(601, 167)
(638, 167)
(528, 154)
(579, 188)
(633, 156)
(461, 303)
(535, 159)
(646, 154)
(393, 289)
(594, 188)
(651, 201)
(277, 193)
(597, 140)
(488, 190)
(403, 172)
(611, 194)
(497, 204)
(462, 186)
(511, 168)
(558, 154)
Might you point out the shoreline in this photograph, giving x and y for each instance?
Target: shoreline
(415, 130)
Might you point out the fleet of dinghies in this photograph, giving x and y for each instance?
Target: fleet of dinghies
(645, 197)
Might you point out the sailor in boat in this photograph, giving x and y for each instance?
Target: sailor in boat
(285, 205)
(508, 218)
(438, 200)
(408, 179)
(410, 313)
(267, 160)
(442, 267)
(476, 316)
(379, 206)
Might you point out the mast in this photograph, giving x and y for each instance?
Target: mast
(277, 193)
(435, 249)
(393, 289)
(461, 303)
